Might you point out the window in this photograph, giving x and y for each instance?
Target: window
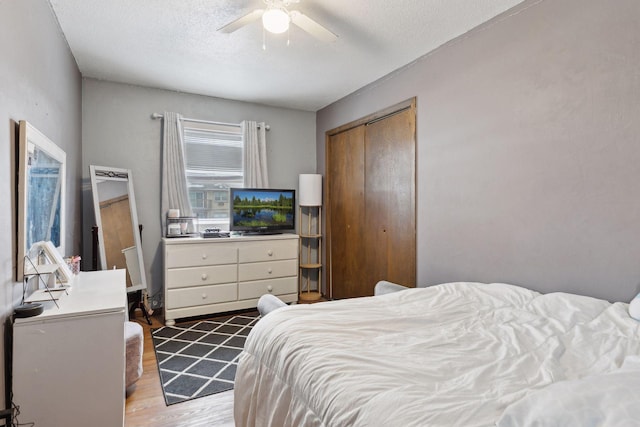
(197, 199)
(214, 163)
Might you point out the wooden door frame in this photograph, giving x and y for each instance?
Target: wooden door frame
(378, 115)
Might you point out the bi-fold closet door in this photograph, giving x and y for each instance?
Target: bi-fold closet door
(371, 226)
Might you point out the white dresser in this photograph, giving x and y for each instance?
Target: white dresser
(69, 362)
(206, 276)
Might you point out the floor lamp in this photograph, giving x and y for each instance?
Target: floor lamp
(310, 202)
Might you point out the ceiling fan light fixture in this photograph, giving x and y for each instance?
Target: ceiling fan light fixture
(276, 20)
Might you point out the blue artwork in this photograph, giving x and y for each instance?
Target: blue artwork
(43, 198)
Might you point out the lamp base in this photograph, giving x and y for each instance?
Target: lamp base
(310, 296)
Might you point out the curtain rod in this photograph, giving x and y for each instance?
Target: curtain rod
(156, 116)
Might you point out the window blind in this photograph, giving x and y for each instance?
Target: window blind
(214, 163)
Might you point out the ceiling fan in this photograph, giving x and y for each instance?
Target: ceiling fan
(276, 19)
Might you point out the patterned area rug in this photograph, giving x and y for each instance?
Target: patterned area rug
(199, 358)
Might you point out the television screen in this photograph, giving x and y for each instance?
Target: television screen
(262, 210)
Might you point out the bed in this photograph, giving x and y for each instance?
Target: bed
(457, 354)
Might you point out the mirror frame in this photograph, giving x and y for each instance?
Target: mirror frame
(30, 140)
(106, 173)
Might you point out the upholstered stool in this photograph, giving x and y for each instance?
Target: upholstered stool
(135, 342)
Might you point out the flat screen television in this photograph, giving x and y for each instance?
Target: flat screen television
(262, 210)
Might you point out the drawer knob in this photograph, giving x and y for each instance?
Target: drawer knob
(270, 271)
(204, 277)
(270, 252)
(204, 256)
(270, 288)
(204, 296)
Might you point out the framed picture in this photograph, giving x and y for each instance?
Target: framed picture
(41, 193)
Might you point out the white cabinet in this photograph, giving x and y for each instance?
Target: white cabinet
(206, 276)
(69, 362)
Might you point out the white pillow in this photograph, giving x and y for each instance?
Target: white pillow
(634, 307)
(611, 400)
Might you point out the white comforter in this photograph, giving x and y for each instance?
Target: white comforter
(450, 355)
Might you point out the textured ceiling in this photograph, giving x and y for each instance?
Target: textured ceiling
(173, 44)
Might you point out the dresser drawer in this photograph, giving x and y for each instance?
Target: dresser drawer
(185, 277)
(268, 250)
(201, 295)
(267, 270)
(283, 285)
(200, 254)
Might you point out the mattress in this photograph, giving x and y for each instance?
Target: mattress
(457, 354)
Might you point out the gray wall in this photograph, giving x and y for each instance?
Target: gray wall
(40, 83)
(528, 149)
(118, 131)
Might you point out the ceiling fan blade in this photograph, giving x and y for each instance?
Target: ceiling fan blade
(242, 21)
(312, 27)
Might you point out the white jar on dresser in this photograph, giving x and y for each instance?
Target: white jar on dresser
(206, 276)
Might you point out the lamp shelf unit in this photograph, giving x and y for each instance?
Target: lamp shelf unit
(310, 276)
(310, 266)
(311, 236)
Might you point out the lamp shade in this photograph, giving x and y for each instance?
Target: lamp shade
(310, 190)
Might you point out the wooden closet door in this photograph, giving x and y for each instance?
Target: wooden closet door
(390, 239)
(345, 164)
(371, 203)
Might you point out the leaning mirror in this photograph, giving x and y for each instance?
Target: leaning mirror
(119, 242)
(41, 192)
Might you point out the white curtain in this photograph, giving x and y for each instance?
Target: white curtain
(255, 154)
(175, 194)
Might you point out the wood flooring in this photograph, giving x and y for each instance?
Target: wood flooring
(145, 404)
